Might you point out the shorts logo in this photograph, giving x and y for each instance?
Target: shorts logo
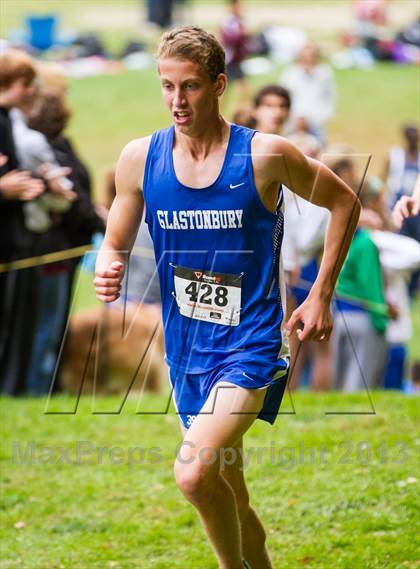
(198, 274)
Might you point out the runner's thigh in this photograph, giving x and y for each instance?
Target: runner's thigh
(227, 414)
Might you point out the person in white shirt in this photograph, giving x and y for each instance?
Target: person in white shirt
(312, 88)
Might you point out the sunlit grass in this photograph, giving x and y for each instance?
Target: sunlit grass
(333, 490)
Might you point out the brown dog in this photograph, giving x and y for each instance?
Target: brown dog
(123, 351)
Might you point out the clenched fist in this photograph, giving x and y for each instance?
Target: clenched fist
(108, 282)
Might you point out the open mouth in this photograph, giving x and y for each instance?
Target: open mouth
(182, 116)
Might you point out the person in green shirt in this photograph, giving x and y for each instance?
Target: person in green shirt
(361, 318)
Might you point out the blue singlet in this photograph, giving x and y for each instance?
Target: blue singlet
(217, 251)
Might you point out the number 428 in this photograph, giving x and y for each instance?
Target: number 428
(208, 293)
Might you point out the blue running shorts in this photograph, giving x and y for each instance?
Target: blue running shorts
(191, 390)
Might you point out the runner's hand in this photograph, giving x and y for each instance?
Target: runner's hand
(108, 282)
(312, 320)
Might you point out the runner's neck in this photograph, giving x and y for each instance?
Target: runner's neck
(202, 144)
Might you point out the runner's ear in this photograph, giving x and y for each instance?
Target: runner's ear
(220, 84)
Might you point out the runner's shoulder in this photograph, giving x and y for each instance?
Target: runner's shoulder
(270, 145)
(136, 151)
(131, 164)
(270, 152)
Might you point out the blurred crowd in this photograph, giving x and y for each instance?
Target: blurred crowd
(46, 209)
(381, 274)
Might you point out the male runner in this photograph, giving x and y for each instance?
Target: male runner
(213, 206)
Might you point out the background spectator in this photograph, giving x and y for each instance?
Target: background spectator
(402, 170)
(369, 14)
(301, 135)
(362, 312)
(159, 12)
(234, 40)
(407, 206)
(312, 88)
(70, 228)
(17, 83)
(271, 109)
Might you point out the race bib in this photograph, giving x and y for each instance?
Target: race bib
(212, 297)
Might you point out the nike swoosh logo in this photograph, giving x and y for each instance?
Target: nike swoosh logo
(247, 376)
(232, 187)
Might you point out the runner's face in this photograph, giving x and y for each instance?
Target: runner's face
(189, 93)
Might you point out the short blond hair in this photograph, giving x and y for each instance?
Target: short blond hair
(194, 44)
(16, 64)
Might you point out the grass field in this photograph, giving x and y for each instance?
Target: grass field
(334, 491)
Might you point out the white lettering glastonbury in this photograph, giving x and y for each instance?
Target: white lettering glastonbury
(200, 218)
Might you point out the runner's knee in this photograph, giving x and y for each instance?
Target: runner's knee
(195, 480)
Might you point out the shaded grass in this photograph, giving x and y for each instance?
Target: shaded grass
(332, 489)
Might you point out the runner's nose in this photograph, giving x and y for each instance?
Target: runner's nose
(179, 99)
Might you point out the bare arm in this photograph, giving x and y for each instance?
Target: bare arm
(123, 221)
(316, 183)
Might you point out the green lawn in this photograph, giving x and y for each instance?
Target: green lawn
(354, 504)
